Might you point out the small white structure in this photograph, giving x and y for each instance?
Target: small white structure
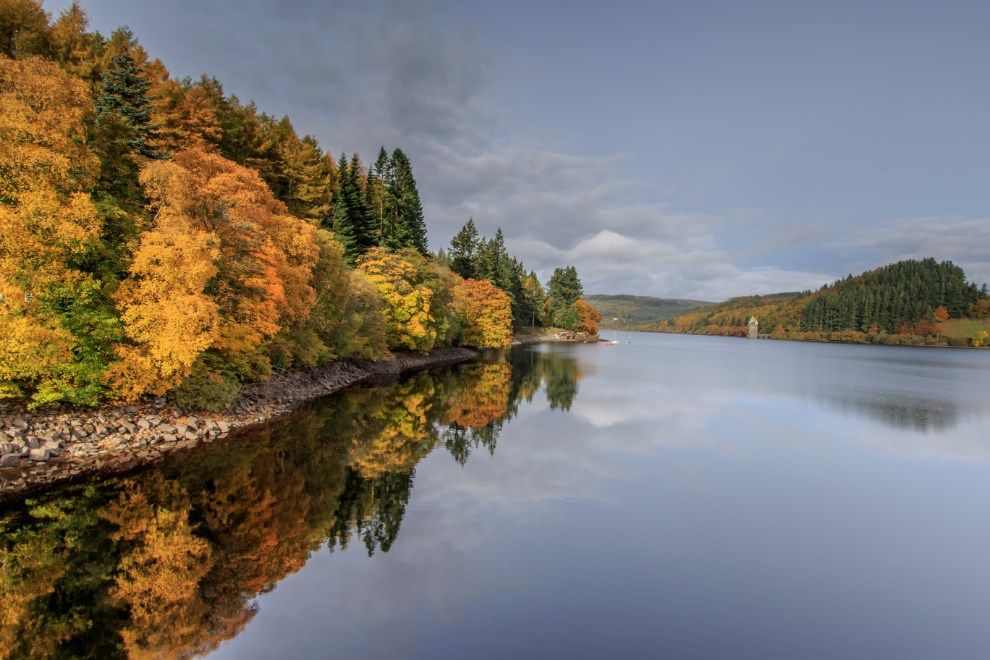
(754, 328)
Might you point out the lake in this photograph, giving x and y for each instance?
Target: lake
(669, 496)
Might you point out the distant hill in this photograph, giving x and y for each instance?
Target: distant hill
(638, 311)
(900, 303)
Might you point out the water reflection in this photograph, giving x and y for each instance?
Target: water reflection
(168, 562)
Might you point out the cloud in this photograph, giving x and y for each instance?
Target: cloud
(420, 75)
(614, 262)
(963, 241)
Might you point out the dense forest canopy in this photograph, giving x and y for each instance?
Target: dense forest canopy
(913, 301)
(162, 236)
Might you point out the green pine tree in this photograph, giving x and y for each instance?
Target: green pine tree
(124, 94)
(411, 226)
(463, 250)
(340, 219)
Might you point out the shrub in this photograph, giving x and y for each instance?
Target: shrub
(209, 387)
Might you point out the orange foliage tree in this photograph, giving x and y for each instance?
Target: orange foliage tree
(488, 314)
(588, 317)
(223, 267)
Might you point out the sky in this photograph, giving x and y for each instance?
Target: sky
(686, 149)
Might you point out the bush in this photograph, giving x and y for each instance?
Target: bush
(208, 387)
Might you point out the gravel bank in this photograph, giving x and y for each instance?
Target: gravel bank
(41, 450)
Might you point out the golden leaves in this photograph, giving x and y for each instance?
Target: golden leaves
(224, 267)
(488, 314)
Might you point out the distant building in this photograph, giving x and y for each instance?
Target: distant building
(754, 328)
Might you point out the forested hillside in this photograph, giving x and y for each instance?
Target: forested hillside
(638, 311)
(909, 302)
(160, 236)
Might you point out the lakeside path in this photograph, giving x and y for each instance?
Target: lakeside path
(41, 450)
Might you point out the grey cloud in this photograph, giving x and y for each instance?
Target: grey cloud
(613, 262)
(358, 75)
(963, 241)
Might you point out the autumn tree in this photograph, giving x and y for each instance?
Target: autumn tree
(408, 303)
(588, 317)
(182, 114)
(48, 225)
(488, 314)
(345, 321)
(23, 28)
(223, 267)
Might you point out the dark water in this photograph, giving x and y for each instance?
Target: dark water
(672, 496)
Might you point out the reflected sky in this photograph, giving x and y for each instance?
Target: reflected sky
(669, 496)
(703, 497)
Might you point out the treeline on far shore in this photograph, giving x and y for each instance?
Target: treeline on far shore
(160, 236)
(908, 303)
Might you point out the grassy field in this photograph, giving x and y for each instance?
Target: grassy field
(964, 328)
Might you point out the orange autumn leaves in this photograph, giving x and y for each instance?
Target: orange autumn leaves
(488, 313)
(203, 271)
(223, 266)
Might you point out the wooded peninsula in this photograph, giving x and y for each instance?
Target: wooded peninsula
(160, 236)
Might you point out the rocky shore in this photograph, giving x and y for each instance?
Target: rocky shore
(40, 450)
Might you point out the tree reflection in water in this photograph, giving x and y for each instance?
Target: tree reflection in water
(167, 562)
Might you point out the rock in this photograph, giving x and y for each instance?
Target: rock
(9, 460)
(144, 424)
(39, 455)
(223, 426)
(130, 428)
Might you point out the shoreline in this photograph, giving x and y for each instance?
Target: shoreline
(805, 341)
(41, 450)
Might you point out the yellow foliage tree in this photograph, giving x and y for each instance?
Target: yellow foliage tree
(224, 267)
(488, 314)
(408, 302)
(47, 218)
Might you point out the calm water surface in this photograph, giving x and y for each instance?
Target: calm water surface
(671, 496)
